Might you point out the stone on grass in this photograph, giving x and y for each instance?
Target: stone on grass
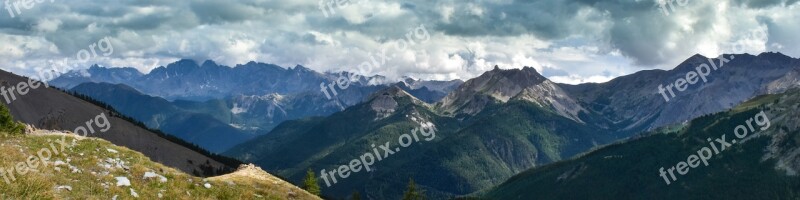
(123, 181)
(64, 187)
(134, 194)
(154, 175)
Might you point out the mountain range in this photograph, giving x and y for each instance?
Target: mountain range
(203, 103)
(489, 128)
(495, 125)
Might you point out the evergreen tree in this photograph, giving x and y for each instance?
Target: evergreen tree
(412, 193)
(310, 183)
(7, 123)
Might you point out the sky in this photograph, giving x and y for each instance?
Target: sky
(568, 41)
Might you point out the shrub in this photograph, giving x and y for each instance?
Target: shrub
(7, 123)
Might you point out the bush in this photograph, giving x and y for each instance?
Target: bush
(7, 123)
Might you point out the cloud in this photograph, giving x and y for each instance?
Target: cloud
(568, 40)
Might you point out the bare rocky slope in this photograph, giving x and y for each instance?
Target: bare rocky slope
(47, 108)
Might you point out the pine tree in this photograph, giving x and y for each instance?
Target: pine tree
(412, 193)
(7, 123)
(310, 183)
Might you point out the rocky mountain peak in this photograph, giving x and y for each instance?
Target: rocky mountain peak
(386, 101)
(393, 91)
(209, 63)
(496, 85)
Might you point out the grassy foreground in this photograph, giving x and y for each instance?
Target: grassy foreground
(89, 167)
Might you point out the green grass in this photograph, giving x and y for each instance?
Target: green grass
(87, 153)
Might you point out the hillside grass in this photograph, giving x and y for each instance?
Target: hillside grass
(88, 154)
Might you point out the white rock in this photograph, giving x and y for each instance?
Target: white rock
(74, 169)
(59, 163)
(134, 194)
(154, 175)
(64, 187)
(112, 151)
(160, 195)
(114, 198)
(123, 181)
(207, 185)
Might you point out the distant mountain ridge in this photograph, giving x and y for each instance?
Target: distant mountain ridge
(506, 121)
(186, 80)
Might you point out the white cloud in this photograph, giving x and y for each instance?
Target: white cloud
(575, 79)
(592, 41)
(48, 25)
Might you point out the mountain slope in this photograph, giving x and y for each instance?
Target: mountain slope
(47, 108)
(764, 165)
(88, 168)
(634, 102)
(501, 140)
(198, 128)
(503, 85)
